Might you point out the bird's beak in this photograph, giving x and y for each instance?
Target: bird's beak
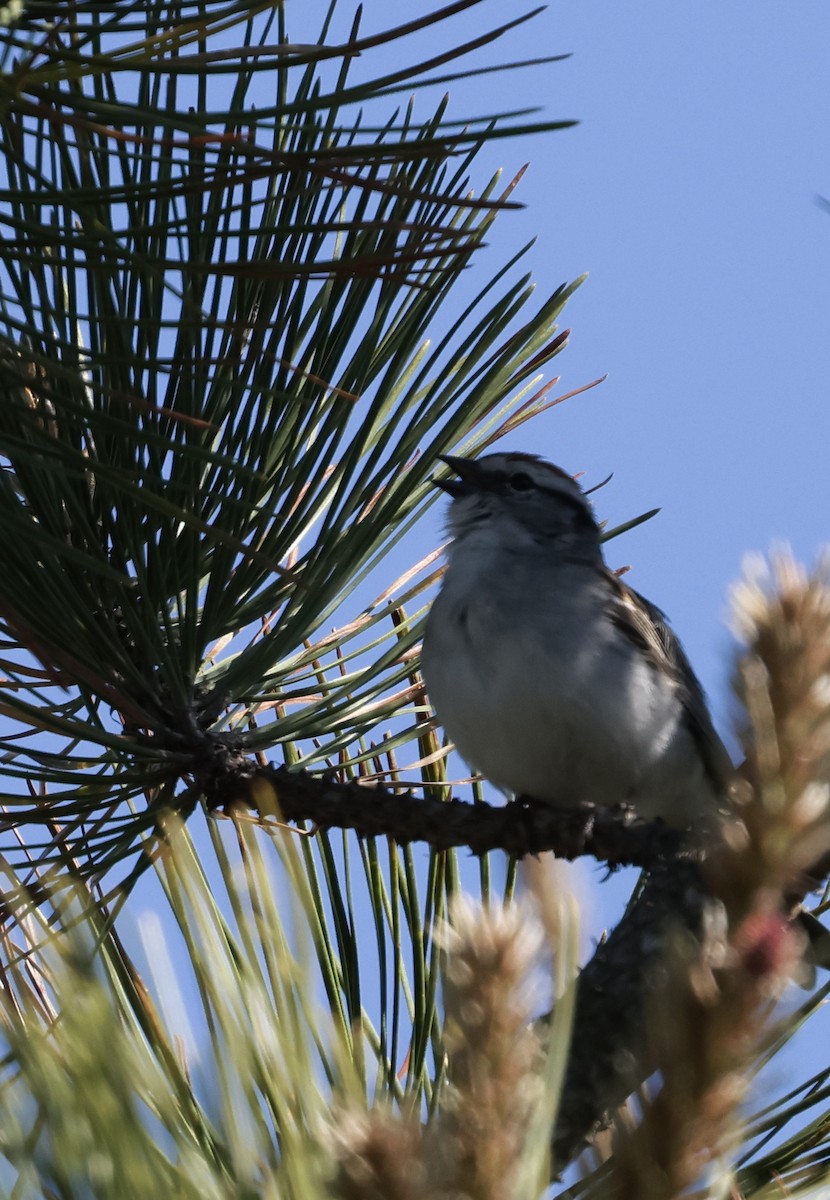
(470, 476)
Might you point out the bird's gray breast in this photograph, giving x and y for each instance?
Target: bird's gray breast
(542, 694)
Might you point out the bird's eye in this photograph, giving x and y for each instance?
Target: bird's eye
(520, 481)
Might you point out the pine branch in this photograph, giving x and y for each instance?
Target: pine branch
(615, 836)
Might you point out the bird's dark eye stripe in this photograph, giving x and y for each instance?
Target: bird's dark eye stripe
(506, 480)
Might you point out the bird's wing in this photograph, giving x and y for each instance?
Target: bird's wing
(647, 627)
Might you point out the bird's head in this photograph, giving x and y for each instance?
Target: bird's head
(518, 500)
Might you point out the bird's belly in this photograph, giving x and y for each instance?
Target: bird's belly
(593, 723)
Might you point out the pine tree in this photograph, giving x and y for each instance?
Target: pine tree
(237, 327)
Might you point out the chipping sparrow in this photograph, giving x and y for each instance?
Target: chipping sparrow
(554, 679)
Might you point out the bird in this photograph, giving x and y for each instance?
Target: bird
(557, 681)
(553, 678)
